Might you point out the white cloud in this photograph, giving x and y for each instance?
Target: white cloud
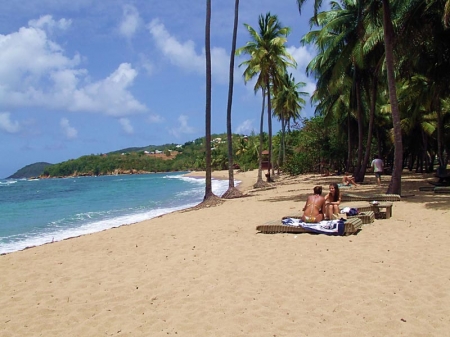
(27, 56)
(183, 54)
(154, 118)
(130, 21)
(69, 131)
(182, 128)
(6, 124)
(146, 64)
(180, 54)
(34, 71)
(220, 65)
(46, 22)
(246, 127)
(126, 125)
(110, 95)
(302, 56)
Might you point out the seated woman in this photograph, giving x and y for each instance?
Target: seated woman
(313, 210)
(332, 201)
(348, 179)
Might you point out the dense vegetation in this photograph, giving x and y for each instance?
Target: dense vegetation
(191, 156)
(382, 70)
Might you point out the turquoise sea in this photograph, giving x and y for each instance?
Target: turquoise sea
(35, 212)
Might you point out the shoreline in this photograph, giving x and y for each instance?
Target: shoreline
(208, 272)
(244, 185)
(114, 222)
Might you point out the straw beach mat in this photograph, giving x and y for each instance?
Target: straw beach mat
(370, 197)
(442, 189)
(366, 217)
(352, 226)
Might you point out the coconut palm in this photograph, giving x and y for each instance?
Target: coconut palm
(423, 46)
(259, 181)
(268, 61)
(288, 102)
(426, 23)
(209, 197)
(232, 192)
(338, 66)
(395, 184)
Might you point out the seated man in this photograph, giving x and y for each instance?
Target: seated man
(348, 179)
(312, 212)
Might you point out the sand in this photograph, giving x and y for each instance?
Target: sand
(208, 272)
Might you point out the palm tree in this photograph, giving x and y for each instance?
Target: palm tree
(268, 61)
(288, 102)
(416, 97)
(232, 192)
(338, 67)
(209, 197)
(430, 60)
(395, 184)
(259, 181)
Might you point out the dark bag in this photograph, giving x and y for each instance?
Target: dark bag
(352, 212)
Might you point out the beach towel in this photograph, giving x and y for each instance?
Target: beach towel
(341, 186)
(329, 227)
(351, 226)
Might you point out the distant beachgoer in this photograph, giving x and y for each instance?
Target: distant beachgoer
(313, 210)
(332, 201)
(377, 166)
(348, 179)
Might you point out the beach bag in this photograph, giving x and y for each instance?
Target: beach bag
(352, 212)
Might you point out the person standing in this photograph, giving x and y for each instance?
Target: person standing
(377, 166)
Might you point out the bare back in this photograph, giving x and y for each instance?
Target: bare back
(312, 212)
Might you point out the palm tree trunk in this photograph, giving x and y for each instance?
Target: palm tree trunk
(261, 140)
(425, 162)
(360, 128)
(208, 183)
(395, 186)
(370, 131)
(360, 31)
(283, 141)
(269, 124)
(349, 143)
(231, 192)
(440, 132)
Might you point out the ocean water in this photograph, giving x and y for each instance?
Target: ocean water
(35, 212)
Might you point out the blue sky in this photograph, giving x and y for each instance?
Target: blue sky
(88, 77)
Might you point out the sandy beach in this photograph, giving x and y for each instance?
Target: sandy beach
(208, 272)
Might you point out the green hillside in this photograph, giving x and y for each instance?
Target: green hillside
(151, 158)
(29, 171)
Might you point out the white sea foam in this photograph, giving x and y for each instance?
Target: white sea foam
(60, 230)
(219, 187)
(89, 228)
(7, 182)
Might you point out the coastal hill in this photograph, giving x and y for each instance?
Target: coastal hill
(30, 171)
(163, 158)
(37, 169)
